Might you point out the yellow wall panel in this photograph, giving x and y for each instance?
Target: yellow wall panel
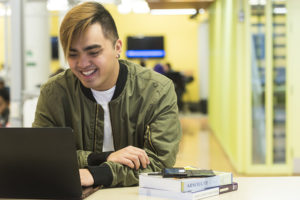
(230, 83)
(2, 53)
(181, 41)
(223, 110)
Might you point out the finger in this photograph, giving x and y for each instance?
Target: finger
(135, 159)
(127, 162)
(143, 157)
(146, 158)
(143, 160)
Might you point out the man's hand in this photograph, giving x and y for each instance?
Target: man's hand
(131, 156)
(86, 177)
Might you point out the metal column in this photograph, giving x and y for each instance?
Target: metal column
(17, 61)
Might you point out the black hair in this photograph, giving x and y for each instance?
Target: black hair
(107, 22)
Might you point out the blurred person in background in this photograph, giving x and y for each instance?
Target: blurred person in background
(179, 80)
(4, 107)
(143, 63)
(159, 68)
(3, 85)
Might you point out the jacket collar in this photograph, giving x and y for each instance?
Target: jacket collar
(121, 81)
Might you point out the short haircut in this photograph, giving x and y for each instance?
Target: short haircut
(80, 17)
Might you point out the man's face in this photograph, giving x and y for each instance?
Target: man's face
(93, 59)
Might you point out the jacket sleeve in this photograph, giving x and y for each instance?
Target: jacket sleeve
(161, 138)
(50, 112)
(47, 113)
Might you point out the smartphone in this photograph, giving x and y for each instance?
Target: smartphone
(200, 173)
(182, 173)
(174, 172)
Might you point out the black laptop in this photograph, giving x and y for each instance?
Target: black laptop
(39, 163)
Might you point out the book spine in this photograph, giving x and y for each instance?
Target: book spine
(228, 188)
(199, 184)
(188, 195)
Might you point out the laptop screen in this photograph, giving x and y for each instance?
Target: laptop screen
(38, 163)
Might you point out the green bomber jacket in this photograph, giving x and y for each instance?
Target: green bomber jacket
(143, 114)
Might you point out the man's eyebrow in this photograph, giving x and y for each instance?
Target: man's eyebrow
(92, 47)
(87, 48)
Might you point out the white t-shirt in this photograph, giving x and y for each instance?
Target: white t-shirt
(103, 98)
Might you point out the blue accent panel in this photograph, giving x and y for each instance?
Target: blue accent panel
(155, 53)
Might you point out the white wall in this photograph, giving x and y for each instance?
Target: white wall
(203, 45)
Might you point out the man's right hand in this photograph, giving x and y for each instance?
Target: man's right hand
(131, 156)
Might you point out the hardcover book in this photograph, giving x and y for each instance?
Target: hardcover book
(189, 195)
(149, 180)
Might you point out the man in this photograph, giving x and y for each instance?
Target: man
(124, 117)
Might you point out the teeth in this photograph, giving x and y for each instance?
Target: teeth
(87, 73)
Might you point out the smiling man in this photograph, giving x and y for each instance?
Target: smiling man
(124, 116)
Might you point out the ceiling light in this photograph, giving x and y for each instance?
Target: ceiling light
(57, 5)
(201, 11)
(124, 8)
(140, 7)
(173, 11)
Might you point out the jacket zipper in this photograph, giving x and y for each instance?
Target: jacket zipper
(97, 110)
(112, 126)
(148, 131)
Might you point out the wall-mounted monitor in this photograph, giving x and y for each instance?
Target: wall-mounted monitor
(54, 48)
(145, 47)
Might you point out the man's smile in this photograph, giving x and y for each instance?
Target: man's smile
(88, 73)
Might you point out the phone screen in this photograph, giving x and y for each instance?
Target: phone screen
(174, 172)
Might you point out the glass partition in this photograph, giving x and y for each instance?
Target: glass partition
(258, 71)
(279, 80)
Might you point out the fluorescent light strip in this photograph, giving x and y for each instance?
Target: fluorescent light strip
(57, 5)
(140, 7)
(173, 11)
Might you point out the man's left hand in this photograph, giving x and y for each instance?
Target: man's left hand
(86, 177)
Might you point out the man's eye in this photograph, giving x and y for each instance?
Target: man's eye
(72, 55)
(94, 53)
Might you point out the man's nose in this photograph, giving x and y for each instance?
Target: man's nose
(83, 61)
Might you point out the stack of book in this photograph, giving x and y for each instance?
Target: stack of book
(190, 188)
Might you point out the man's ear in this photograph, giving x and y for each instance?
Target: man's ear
(118, 46)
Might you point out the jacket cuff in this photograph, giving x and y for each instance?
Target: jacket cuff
(98, 158)
(102, 174)
(82, 157)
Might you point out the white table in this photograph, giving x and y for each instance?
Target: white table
(249, 188)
